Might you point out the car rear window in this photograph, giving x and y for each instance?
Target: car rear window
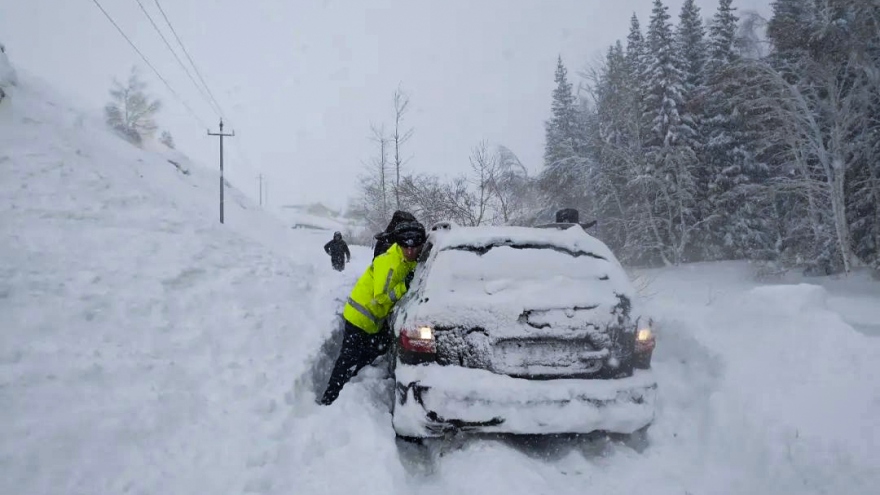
(518, 261)
(483, 249)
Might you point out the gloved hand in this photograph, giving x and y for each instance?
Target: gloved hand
(409, 278)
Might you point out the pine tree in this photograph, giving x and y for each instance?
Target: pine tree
(669, 220)
(560, 129)
(563, 178)
(691, 47)
(636, 66)
(722, 39)
(789, 27)
(732, 171)
(690, 38)
(131, 111)
(613, 137)
(635, 46)
(664, 81)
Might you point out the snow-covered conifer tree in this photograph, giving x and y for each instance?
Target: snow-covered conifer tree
(734, 190)
(668, 179)
(563, 179)
(691, 47)
(131, 111)
(612, 138)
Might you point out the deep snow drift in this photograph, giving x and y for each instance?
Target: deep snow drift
(147, 349)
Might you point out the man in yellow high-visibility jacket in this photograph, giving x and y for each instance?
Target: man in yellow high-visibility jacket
(384, 282)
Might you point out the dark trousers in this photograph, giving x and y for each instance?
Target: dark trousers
(338, 262)
(358, 350)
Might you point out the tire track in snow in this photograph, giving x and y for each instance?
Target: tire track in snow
(270, 467)
(356, 433)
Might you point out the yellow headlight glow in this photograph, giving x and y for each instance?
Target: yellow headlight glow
(644, 335)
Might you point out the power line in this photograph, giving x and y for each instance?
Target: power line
(198, 73)
(239, 150)
(149, 64)
(185, 69)
(215, 105)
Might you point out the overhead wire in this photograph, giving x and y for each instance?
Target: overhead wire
(209, 98)
(186, 52)
(239, 149)
(177, 57)
(174, 93)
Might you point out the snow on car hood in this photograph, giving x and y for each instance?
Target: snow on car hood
(496, 278)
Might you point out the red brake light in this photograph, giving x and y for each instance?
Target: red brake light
(645, 341)
(418, 339)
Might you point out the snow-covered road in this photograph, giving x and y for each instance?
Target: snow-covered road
(147, 349)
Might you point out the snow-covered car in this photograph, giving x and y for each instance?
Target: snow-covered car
(520, 330)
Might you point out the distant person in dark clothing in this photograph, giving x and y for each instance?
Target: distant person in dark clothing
(338, 251)
(384, 239)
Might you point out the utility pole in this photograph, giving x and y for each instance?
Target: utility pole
(221, 135)
(261, 189)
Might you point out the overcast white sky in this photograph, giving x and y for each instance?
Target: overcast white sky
(300, 81)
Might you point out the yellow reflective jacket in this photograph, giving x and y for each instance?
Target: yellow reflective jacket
(377, 290)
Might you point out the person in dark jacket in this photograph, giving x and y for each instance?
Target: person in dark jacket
(338, 251)
(384, 239)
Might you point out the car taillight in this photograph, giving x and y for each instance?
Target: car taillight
(644, 347)
(418, 339)
(644, 340)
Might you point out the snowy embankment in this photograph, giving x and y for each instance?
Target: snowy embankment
(143, 346)
(787, 393)
(147, 349)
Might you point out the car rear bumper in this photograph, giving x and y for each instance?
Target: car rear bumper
(432, 400)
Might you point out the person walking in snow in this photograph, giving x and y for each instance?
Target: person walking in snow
(338, 251)
(383, 239)
(386, 280)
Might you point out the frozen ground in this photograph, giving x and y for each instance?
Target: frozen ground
(146, 349)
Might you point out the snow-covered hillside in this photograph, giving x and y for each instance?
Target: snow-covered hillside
(144, 345)
(145, 348)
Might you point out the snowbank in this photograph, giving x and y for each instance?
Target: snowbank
(787, 388)
(145, 347)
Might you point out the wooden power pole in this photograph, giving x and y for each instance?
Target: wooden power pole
(221, 135)
(261, 189)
